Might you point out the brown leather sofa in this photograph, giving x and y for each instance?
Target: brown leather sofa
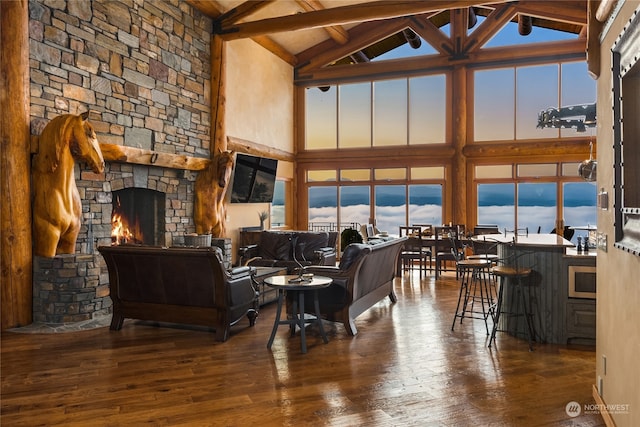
(276, 249)
(364, 277)
(178, 285)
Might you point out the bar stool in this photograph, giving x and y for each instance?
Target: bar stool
(475, 299)
(515, 276)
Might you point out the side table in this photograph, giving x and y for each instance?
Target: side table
(293, 283)
(266, 294)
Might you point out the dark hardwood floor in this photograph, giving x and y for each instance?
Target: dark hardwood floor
(404, 368)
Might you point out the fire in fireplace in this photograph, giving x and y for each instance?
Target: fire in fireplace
(138, 216)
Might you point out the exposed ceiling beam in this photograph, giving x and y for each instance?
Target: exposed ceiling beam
(336, 32)
(241, 11)
(492, 24)
(533, 54)
(572, 12)
(432, 34)
(341, 15)
(360, 37)
(275, 48)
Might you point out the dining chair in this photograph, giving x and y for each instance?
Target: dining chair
(446, 239)
(425, 229)
(414, 249)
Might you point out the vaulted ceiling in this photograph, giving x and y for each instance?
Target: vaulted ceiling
(313, 35)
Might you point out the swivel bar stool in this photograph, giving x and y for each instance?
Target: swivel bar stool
(513, 276)
(475, 299)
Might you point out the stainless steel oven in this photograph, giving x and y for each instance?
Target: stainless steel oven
(582, 281)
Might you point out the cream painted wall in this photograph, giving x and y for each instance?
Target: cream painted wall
(260, 109)
(618, 273)
(259, 103)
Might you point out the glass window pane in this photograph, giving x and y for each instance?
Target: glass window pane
(388, 174)
(494, 102)
(427, 110)
(320, 176)
(494, 171)
(354, 206)
(354, 128)
(496, 205)
(321, 118)
(391, 207)
(323, 206)
(537, 206)
(537, 90)
(435, 172)
(579, 206)
(577, 88)
(355, 175)
(425, 204)
(390, 112)
(278, 206)
(537, 170)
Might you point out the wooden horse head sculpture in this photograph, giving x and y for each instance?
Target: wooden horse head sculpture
(57, 207)
(210, 188)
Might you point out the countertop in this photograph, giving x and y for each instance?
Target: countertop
(533, 239)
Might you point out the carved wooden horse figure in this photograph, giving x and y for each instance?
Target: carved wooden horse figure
(210, 188)
(57, 207)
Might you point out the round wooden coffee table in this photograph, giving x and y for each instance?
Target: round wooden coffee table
(293, 283)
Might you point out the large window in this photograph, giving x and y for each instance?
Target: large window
(382, 113)
(535, 205)
(507, 101)
(367, 195)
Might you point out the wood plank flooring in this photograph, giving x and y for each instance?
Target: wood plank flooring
(404, 368)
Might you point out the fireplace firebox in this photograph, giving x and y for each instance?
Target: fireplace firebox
(138, 216)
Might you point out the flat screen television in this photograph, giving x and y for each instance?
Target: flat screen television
(254, 179)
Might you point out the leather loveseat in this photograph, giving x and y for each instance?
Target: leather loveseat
(290, 249)
(364, 277)
(178, 285)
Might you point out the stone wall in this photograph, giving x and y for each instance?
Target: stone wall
(142, 67)
(70, 288)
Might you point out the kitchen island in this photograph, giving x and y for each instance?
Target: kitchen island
(558, 317)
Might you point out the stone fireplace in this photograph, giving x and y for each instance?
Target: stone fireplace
(158, 204)
(144, 72)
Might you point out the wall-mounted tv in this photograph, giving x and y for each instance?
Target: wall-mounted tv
(254, 179)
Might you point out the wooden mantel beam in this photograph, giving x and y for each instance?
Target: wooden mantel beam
(341, 16)
(125, 154)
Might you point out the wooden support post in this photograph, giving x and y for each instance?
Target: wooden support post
(16, 276)
(218, 95)
(459, 160)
